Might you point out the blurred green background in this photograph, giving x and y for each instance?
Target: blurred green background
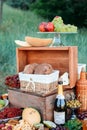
(21, 18)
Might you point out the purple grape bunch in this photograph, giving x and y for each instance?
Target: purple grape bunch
(59, 127)
(82, 115)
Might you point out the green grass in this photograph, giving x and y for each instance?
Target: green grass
(15, 26)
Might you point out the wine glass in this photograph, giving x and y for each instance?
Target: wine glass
(73, 113)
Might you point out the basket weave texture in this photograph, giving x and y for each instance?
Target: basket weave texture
(81, 91)
(39, 84)
(38, 88)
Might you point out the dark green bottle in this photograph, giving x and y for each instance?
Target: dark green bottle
(60, 108)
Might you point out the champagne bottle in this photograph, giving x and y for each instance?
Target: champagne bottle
(60, 106)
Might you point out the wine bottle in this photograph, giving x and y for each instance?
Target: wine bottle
(60, 106)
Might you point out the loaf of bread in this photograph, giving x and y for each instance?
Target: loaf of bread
(38, 42)
(29, 69)
(44, 68)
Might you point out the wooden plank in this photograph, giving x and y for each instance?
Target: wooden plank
(50, 107)
(73, 71)
(21, 58)
(45, 48)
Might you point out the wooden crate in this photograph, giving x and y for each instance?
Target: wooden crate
(64, 59)
(44, 104)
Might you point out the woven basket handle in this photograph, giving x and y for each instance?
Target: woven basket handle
(30, 86)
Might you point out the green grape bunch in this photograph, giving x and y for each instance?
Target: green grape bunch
(59, 25)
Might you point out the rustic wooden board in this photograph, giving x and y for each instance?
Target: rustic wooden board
(44, 104)
(64, 59)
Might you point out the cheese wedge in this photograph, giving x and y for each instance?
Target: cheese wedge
(22, 43)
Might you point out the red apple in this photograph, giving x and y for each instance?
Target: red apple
(42, 26)
(49, 27)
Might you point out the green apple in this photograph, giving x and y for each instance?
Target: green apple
(2, 102)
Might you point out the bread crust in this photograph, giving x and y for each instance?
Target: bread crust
(43, 68)
(29, 69)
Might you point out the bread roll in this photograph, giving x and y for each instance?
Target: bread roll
(29, 69)
(43, 69)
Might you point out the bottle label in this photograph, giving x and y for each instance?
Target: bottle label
(59, 117)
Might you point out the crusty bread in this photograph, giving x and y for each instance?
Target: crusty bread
(29, 69)
(43, 69)
(38, 42)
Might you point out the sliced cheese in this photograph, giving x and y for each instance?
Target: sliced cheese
(65, 78)
(22, 43)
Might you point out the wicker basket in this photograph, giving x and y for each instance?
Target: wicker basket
(39, 84)
(81, 91)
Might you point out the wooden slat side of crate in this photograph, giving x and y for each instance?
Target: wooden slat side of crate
(57, 58)
(45, 104)
(73, 66)
(20, 99)
(64, 59)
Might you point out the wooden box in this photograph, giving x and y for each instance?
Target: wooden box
(64, 59)
(44, 104)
